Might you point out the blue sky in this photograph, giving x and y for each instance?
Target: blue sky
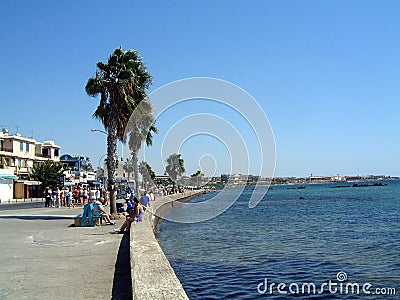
(326, 74)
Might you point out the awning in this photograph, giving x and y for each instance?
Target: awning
(29, 182)
(6, 176)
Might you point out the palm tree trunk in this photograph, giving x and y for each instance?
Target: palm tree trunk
(111, 165)
(135, 171)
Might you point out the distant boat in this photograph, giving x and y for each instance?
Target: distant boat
(296, 188)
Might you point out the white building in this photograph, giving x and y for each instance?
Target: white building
(6, 185)
(18, 155)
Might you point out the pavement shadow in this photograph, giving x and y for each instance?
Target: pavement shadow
(122, 284)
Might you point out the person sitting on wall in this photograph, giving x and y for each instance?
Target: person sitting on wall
(98, 209)
(136, 215)
(130, 204)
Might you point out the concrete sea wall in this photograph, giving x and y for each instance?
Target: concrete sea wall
(152, 274)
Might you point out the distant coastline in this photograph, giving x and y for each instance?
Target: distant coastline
(302, 181)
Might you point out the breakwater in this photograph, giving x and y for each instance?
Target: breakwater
(151, 272)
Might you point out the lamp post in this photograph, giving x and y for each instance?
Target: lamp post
(101, 158)
(98, 130)
(99, 168)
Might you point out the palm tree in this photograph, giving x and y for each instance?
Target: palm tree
(196, 177)
(128, 167)
(175, 166)
(121, 84)
(141, 128)
(148, 174)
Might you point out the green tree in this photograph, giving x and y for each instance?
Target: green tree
(147, 173)
(121, 84)
(163, 182)
(48, 173)
(175, 166)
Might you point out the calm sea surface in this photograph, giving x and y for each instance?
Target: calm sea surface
(242, 252)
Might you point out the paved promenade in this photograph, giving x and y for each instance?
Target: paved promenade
(19, 201)
(42, 257)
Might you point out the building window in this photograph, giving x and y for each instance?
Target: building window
(45, 152)
(21, 146)
(27, 147)
(56, 152)
(19, 163)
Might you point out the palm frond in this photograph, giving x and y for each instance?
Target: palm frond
(93, 87)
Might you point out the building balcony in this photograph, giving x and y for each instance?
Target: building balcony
(43, 156)
(6, 150)
(18, 170)
(22, 170)
(3, 166)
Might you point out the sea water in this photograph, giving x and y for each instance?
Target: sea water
(335, 239)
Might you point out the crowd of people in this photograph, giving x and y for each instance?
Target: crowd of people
(98, 197)
(170, 190)
(71, 196)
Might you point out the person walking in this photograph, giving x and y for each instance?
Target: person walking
(57, 201)
(152, 196)
(98, 194)
(76, 195)
(53, 198)
(145, 200)
(62, 197)
(92, 195)
(81, 195)
(47, 195)
(69, 197)
(85, 196)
